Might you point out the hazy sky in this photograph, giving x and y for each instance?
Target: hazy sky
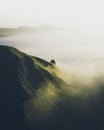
(57, 12)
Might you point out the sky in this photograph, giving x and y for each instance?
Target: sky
(15, 13)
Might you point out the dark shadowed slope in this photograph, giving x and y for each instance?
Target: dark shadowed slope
(20, 76)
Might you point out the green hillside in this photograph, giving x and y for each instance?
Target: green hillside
(21, 76)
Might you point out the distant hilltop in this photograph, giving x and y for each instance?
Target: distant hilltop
(4, 32)
(44, 27)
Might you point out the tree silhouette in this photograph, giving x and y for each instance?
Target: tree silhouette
(53, 62)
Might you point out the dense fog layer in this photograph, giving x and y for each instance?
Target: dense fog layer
(73, 48)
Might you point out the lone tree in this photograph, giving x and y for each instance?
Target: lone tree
(53, 62)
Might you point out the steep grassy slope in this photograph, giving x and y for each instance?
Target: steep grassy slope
(21, 76)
